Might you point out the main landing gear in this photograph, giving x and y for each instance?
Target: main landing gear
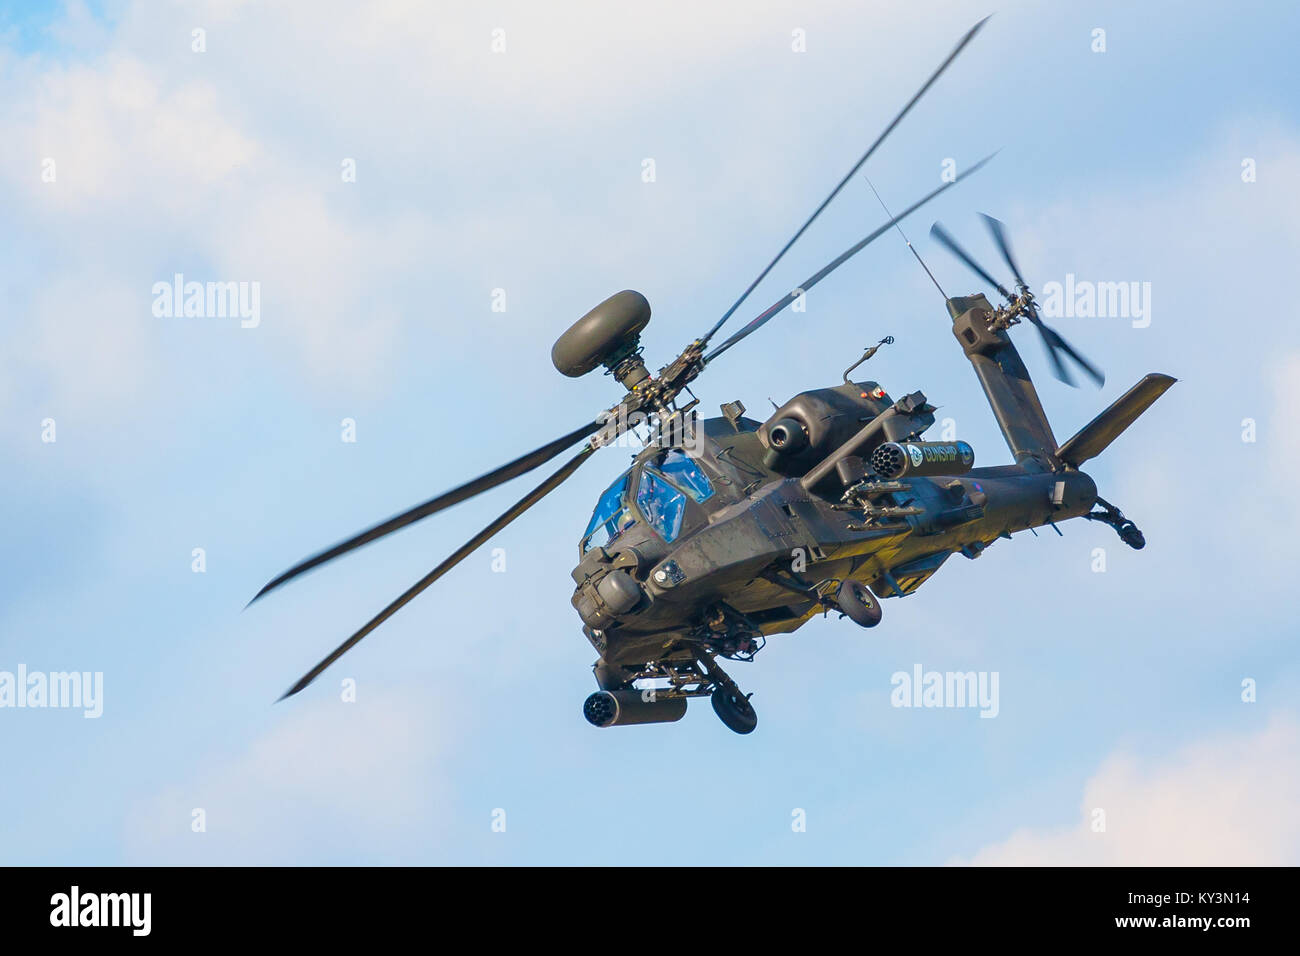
(730, 704)
(852, 598)
(856, 601)
(734, 709)
(691, 668)
(1128, 532)
(688, 672)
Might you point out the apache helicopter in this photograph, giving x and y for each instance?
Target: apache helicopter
(725, 531)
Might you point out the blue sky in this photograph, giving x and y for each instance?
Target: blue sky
(522, 171)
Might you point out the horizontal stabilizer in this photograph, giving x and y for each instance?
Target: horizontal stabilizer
(1094, 437)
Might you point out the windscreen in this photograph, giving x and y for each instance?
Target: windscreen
(662, 504)
(685, 474)
(610, 518)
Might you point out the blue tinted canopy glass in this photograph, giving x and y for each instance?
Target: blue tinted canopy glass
(686, 475)
(661, 504)
(610, 518)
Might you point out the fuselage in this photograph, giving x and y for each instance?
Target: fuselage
(752, 537)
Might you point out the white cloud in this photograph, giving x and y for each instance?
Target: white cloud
(226, 163)
(1284, 442)
(1227, 801)
(332, 781)
(119, 132)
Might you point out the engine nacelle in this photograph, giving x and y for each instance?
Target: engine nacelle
(611, 708)
(813, 424)
(787, 436)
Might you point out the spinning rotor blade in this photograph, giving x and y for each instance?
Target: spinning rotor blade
(1052, 340)
(759, 321)
(999, 234)
(1058, 367)
(522, 505)
(1055, 344)
(961, 45)
(519, 466)
(941, 236)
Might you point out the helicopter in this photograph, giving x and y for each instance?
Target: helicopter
(727, 531)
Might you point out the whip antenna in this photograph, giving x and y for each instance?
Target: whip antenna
(906, 240)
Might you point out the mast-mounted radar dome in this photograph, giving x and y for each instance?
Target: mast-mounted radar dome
(608, 335)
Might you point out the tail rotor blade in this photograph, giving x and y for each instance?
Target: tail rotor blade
(1004, 246)
(942, 236)
(1053, 341)
(513, 469)
(522, 505)
(1055, 344)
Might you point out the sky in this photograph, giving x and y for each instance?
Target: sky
(384, 175)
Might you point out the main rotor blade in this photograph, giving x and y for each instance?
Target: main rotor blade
(514, 469)
(961, 45)
(760, 320)
(942, 236)
(522, 505)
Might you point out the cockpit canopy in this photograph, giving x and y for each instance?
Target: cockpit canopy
(662, 487)
(682, 471)
(611, 517)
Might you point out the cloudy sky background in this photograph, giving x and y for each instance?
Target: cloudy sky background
(522, 170)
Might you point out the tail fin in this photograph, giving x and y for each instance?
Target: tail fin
(1006, 383)
(1094, 437)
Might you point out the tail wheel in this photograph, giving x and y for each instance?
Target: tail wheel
(856, 600)
(1131, 536)
(733, 709)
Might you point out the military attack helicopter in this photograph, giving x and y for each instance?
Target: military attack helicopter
(726, 531)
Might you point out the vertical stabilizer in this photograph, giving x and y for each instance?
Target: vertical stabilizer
(1006, 383)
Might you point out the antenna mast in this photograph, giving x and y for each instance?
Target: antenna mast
(906, 240)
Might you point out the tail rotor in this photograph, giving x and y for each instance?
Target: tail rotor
(1021, 302)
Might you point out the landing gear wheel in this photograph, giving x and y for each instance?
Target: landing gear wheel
(733, 709)
(856, 600)
(1128, 532)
